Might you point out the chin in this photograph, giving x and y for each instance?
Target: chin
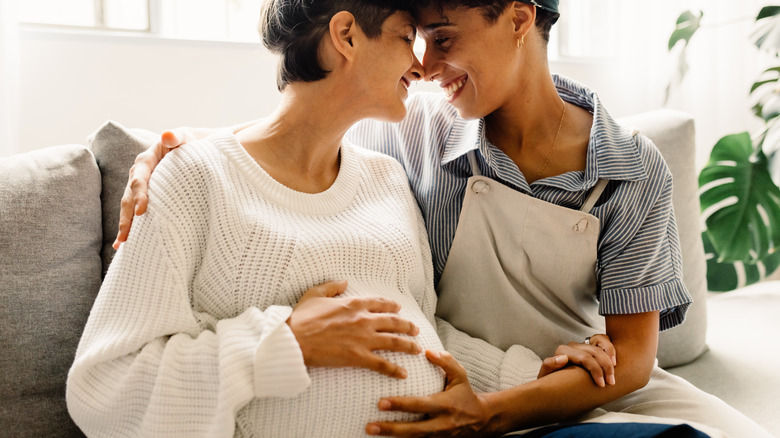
(468, 113)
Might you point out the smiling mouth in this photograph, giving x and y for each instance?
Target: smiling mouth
(454, 86)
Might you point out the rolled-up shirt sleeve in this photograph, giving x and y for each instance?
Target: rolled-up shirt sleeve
(640, 261)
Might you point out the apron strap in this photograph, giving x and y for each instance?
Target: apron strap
(473, 162)
(594, 196)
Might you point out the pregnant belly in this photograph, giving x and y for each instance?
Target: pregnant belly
(341, 401)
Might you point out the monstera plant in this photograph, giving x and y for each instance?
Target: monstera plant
(738, 187)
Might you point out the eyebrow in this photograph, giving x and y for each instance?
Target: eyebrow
(434, 26)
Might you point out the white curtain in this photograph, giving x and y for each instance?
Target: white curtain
(723, 63)
(9, 78)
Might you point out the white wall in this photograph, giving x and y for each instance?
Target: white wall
(73, 82)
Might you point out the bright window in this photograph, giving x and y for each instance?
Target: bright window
(587, 29)
(100, 14)
(225, 20)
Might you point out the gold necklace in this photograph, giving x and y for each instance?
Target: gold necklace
(547, 161)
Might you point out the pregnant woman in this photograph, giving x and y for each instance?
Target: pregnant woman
(270, 267)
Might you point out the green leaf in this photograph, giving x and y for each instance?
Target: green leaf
(687, 24)
(766, 35)
(726, 276)
(765, 94)
(768, 11)
(771, 147)
(740, 203)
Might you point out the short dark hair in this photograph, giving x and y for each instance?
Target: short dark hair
(491, 10)
(293, 29)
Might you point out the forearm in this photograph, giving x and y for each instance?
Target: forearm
(571, 392)
(556, 397)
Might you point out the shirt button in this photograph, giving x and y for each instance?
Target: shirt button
(480, 186)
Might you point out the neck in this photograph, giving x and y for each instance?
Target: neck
(529, 119)
(299, 143)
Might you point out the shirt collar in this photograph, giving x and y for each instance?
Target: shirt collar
(612, 151)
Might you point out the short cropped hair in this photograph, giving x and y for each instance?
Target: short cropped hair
(491, 10)
(293, 29)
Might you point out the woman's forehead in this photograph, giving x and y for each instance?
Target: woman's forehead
(401, 19)
(432, 17)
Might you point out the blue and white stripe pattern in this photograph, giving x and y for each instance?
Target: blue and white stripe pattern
(639, 262)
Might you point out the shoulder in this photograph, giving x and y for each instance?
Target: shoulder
(380, 172)
(653, 160)
(185, 175)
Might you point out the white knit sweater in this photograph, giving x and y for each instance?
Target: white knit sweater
(188, 336)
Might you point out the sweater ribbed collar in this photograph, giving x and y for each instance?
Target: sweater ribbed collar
(333, 200)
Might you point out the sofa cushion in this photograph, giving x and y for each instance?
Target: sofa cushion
(50, 236)
(673, 134)
(115, 149)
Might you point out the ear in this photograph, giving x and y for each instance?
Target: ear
(342, 31)
(523, 17)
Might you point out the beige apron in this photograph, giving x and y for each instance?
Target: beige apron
(521, 270)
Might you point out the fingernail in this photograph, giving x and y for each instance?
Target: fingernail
(560, 359)
(611, 379)
(600, 382)
(373, 429)
(402, 374)
(614, 361)
(384, 405)
(417, 349)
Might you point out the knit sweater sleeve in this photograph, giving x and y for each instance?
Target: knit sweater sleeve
(489, 368)
(147, 365)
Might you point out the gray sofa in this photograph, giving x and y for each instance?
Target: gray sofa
(58, 215)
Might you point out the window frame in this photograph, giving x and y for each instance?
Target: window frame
(152, 21)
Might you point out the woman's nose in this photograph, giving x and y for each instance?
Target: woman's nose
(430, 65)
(416, 69)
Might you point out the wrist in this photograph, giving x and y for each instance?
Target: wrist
(495, 418)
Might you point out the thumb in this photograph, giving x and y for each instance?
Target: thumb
(173, 139)
(446, 362)
(552, 364)
(332, 288)
(328, 289)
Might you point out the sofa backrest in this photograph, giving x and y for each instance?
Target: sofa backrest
(115, 148)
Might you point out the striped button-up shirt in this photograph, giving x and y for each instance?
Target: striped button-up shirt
(639, 265)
